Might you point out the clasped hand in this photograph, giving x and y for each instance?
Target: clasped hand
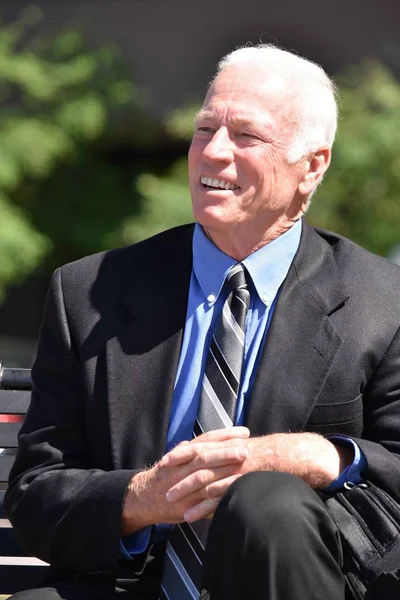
(188, 483)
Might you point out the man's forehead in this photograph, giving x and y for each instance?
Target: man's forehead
(264, 81)
(266, 89)
(244, 95)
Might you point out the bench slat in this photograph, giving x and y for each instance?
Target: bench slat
(15, 378)
(14, 402)
(8, 434)
(22, 561)
(17, 571)
(9, 545)
(2, 494)
(15, 578)
(6, 462)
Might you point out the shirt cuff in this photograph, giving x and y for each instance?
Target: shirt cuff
(135, 543)
(353, 473)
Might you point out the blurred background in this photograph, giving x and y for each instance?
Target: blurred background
(96, 106)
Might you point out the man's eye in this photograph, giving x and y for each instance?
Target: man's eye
(206, 129)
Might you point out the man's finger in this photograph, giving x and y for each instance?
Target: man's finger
(200, 483)
(215, 489)
(186, 453)
(219, 456)
(201, 510)
(216, 435)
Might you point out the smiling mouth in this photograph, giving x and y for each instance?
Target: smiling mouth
(217, 184)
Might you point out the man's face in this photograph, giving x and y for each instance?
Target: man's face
(238, 170)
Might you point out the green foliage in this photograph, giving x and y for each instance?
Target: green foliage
(360, 197)
(166, 203)
(21, 247)
(65, 191)
(56, 98)
(83, 205)
(180, 122)
(165, 197)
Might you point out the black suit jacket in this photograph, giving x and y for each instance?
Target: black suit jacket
(106, 364)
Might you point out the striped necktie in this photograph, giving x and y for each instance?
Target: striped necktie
(217, 408)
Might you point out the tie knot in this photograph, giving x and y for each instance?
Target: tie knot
(236, 277)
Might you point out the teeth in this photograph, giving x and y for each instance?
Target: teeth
(218, 183)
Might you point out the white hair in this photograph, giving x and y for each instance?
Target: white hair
(315, 108)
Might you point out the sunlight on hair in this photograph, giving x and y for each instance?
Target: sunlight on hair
(315, 112)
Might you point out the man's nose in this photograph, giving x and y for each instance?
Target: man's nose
(220, 147)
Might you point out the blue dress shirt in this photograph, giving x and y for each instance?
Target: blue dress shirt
(267, 268)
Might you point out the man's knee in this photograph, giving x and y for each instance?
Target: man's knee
(269, 524)
(269, 501)
(265, 493)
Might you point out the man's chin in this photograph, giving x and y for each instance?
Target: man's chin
(212, 218)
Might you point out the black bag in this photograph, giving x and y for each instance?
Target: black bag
(368, 520)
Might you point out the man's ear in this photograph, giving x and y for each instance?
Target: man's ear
(316, 165)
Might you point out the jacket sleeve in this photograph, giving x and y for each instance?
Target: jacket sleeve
(63, 511)
(381, 436)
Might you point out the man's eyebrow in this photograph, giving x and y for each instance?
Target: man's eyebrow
(204, 114)
(237, 120)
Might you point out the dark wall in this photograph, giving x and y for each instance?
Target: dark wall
(173, 45)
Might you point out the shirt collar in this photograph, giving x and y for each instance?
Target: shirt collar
(268, 266)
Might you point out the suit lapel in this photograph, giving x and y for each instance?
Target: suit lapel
(143, 356)
(302, 343)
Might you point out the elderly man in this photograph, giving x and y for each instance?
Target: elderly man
(216, 376)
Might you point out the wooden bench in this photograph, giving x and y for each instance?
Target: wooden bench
(17, 571)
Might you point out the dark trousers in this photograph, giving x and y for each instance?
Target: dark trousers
(271, 539)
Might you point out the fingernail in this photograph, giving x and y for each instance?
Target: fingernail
(169, 497)
(243, 432)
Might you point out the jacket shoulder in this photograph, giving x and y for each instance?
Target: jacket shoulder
(361, 270)
(118, 262)
(344, 248)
